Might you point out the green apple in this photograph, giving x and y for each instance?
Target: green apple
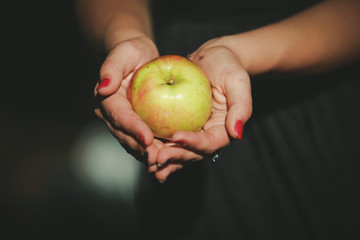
(171, 93)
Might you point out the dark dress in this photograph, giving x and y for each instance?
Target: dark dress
(295, 173)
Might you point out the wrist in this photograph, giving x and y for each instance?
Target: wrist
(122, 36)
(237, 45)
(254, 52)
(124, 28)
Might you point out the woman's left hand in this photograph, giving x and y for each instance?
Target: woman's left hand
(231, 108)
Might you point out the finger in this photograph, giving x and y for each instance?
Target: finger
(192, 56)
(163, 173)
(146, 156)
(152, 168)
(203, 142)
(115, 68)
(237, 89)
(122, 62)
(123, 138)
(151, 158)
(234, 81)
(118, 112)
(239, 101)
(172, 154)
(152, 152)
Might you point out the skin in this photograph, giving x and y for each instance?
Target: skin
(320, 38)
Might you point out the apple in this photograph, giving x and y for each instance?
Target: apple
(171, 93)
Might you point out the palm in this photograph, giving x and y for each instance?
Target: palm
(114, 107)
(219, 110)
(231, 102)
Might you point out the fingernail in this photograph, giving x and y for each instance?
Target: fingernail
(162, 164)
(104, 83)
(149, 170)
(180, 142)
(161, 181)
(150, 164)
(239, 126)
(142, 139)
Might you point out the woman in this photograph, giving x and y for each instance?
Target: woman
(275, 181)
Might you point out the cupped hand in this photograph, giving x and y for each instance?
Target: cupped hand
(231, 108)
(112, 105)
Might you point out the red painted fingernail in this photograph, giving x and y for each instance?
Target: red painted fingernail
(104, 83)
(181, 142)
(239, 126)
(142, 139)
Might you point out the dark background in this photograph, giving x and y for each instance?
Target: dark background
(48, 74)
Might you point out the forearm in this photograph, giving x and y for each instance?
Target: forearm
(319, 38)
(109, 22)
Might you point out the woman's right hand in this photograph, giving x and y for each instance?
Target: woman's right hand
(112, 105)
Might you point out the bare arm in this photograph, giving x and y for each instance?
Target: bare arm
(324, 36)
(124, 29)
(321, 37)
(110, 22)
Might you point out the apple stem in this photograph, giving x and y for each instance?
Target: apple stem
(171, 81)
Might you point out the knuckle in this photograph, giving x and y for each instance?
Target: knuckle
(133, 48)
(212, 53)
(115, 118)
(124, 140)
(95, 90)
(237, 74)
(248, 110)
(215, 50)
(118, 136)
(98, 113)
(107, 67)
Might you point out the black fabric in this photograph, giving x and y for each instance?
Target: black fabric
(294, 175)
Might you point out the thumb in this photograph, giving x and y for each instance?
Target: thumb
(122, 62)
(114, 69)
(239, 103)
